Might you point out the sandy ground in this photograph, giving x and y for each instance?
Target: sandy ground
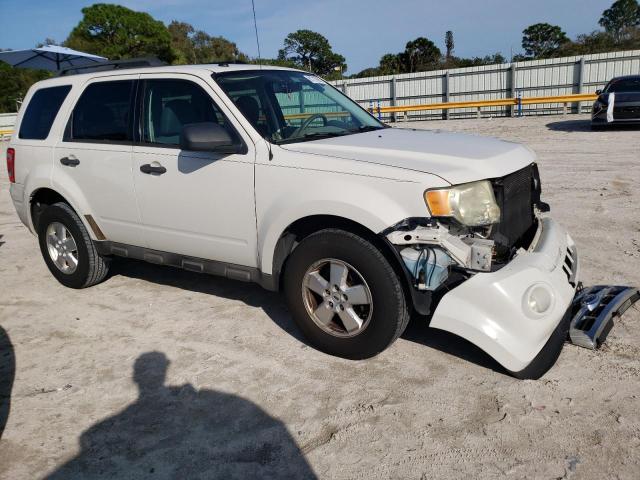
(245, 397)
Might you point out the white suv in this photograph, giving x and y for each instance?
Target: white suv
(271, 175)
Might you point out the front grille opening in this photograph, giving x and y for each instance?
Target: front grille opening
(515, 194)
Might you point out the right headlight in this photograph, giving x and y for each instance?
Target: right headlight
(472, 204)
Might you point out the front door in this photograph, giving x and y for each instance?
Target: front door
(199, 204)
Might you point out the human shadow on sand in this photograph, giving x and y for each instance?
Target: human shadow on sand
(181, 432)
(7, 375)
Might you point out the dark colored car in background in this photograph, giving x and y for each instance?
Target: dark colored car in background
(626, 103)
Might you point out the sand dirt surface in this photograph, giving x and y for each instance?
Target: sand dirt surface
(245, 397)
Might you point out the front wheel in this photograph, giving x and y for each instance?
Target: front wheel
(344, 295)
(67, 248)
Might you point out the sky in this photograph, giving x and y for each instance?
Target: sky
(361, 30)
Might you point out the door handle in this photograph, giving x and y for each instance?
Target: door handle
(150, 169)
(69, 161)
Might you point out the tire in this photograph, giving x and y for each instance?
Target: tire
(385, 318)
(91, 268)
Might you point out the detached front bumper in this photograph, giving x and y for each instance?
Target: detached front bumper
(511, 313)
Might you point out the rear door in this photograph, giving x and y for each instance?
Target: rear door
(202, 205)
(93, 160)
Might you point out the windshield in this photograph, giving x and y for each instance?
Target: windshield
(624, 85)
(288, 106)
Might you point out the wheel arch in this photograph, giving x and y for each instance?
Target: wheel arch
(41, 197)
(305, 226)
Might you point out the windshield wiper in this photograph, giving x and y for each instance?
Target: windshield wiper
(312, 136)
(367, 128)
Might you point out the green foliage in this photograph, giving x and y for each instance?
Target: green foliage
(621, 19)
(14, 83)
(195, 46)
(495, 59)
(311, 51)
(419, 55)
(600, 42)
(391, 64)
(117, 32)
(449, 44)
(543, 40)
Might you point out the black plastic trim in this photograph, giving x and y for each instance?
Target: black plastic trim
(194, 264)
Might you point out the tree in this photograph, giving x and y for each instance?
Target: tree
(195, 46)
(419, 55)
(311, 51)
(47, 41)
(116, 32)
(14, 83)
(495, 59)
(367, 72)
(543, 40)
(449, 44)
(390, 64)
(621, 18)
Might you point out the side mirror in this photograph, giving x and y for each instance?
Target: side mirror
(598, 92)
(206, 137)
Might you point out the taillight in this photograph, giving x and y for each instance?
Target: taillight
(11, 164)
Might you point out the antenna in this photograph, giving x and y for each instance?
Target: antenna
(255, 24)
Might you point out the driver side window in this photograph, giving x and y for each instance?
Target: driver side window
(169, 105)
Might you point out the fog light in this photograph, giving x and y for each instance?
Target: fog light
(538, 300)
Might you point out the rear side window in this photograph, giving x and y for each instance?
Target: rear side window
(41, 112)
(103, 113)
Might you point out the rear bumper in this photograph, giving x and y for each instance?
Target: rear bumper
(492, 310)
(17, 196)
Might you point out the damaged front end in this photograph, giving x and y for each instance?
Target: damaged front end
(442, 252)
(504, 287)
(511, 287)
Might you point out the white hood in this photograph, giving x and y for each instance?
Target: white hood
(455, 157)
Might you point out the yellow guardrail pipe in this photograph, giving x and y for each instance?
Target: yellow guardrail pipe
(501, 102)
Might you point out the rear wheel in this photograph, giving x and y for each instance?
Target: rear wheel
(344, 295)
(67, 248)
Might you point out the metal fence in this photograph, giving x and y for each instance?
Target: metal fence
(537, 78)
(7, 122)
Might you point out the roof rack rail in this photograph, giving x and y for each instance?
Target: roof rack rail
(226, 63)
(112, 65)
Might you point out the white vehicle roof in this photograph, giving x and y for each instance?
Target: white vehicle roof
(208, 68)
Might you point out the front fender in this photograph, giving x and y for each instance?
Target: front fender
(285, 195)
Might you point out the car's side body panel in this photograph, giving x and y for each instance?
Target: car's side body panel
(296, 185)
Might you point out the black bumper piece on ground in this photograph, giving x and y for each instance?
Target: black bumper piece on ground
(593, 311)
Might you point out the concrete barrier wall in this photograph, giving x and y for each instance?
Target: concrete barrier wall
(537, 78)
